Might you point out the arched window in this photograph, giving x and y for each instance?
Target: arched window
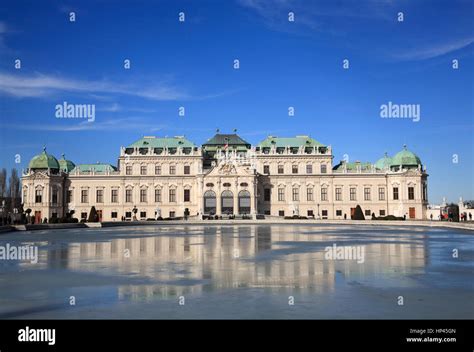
(209, 202)
(244, 202)
(227, 202)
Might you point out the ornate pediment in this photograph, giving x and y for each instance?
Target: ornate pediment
(231, 168)
(38, 175)
(227, 169)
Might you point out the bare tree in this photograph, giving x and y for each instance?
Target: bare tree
(3, 183)
(14, 187)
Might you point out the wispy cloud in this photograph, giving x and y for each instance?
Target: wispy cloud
(111, 108)
(116, 107)
(316, 15)
(106, 125)
(40, 85)
(432, 51)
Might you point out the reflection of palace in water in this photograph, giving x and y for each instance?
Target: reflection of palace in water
(183, 260)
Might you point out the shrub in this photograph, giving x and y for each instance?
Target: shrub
(358, 214)
(93, 216)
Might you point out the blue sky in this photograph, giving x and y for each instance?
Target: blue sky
(282, 64)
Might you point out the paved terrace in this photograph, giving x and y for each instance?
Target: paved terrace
(469, 226)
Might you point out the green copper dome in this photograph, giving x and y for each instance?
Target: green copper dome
(405, 158)
(66, 165)
(384, 162)
(43, 161)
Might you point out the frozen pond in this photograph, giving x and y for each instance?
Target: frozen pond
(240, 271)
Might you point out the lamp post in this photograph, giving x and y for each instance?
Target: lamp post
(318, 212)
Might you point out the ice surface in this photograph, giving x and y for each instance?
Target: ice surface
(240, 271)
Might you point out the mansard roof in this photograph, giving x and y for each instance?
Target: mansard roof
(162, 142)
(365, 165)
(96, 168)
(292, 142)
(221, 139)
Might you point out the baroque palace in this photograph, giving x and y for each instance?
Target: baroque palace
(226, 176)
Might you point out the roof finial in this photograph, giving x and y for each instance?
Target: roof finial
(217, 130)
(405, 146)
(63, 156)
(385, 154)
(235, 130)
(44, 148)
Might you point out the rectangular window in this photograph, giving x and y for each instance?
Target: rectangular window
(83, 216)
(128, 195)
(294, 169)
(172, 170)
(324, 168)
(187, 195)
(157, 195)
(114, 196)
(296, 194)
(157, 169)
(281, 213)
(84, 196)
(54, 196)
(352, 193)
(411, 193)
(367, 193)
(281, 169)
(128, 170)
(113, 215)
(338, 212)
(382, 212)
(99, 196)
(143, 214)
(395, 193)
(324, 194)
(172, 195)
(267, 194)
(309, 169)
(128, 214)
(309, 194)
(187, 169)
(266, 169)
(338, 193)
(172, 214)
(367, 212)
(69, 196)
(143, 196)
(324, 213)
(143, 170)
(38, 195)
(311, 213)
(281, 194)
(381, 193)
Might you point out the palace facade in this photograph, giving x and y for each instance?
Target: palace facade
(226, 176)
